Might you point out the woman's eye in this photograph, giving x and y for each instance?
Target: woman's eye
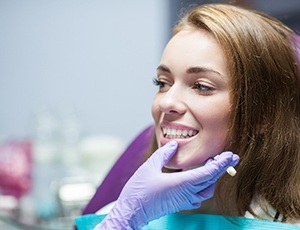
(159, 83)
(203, 88)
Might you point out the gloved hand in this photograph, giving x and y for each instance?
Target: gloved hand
(150, 193)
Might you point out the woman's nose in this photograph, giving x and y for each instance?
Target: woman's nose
(172, 101)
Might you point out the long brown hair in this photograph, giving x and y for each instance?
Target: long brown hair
(265, 113)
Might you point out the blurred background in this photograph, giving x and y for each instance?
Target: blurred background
(76, 88)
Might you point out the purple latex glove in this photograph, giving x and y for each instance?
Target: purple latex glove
(150, 193)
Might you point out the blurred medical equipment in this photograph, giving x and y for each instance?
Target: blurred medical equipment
(110, 188)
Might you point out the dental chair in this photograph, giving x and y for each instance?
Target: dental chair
(129, 161)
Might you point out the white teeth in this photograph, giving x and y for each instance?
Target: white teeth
(178, 133)
(173, 131)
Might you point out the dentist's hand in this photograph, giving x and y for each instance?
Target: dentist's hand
(150, 193)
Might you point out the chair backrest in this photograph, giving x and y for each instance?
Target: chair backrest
(123, 169)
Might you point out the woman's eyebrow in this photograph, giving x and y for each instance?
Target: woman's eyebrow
(198, 69)
(163, 68)
(190, 70)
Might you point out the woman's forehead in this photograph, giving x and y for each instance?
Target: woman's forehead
(195, 48)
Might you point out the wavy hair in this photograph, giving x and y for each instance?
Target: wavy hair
(265, 107)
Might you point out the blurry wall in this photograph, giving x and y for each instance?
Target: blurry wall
(288, 11)
(89, 59)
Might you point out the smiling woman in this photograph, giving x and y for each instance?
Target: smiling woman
(227, 83)
(255, 116)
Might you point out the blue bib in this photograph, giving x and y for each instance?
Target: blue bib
(194, 221)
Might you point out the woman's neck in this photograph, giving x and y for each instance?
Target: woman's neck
(207, 207)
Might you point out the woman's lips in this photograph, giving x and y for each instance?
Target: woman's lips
(173, 133)
(181, 134)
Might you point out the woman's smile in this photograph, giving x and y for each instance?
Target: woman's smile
(181, 133)
(171, 133)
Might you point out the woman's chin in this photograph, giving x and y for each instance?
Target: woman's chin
(172, 167)
(174, 164)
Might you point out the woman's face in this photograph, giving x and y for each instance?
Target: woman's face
(192, 105)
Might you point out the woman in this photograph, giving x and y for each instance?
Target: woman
(228, 81)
